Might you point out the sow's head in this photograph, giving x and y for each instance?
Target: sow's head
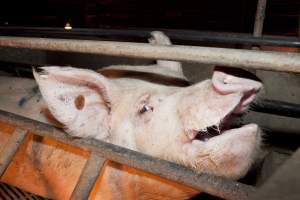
(188, 125)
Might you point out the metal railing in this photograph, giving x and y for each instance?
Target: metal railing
(253, 59)
(100, 151)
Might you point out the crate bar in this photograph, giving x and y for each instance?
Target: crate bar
(88, 177)
(275, 61)
(276, 108)
(11, 148)
(190, 36)
(284, 183)
(214, 185)
(259, 18)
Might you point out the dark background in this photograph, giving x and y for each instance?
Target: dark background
(282, 16)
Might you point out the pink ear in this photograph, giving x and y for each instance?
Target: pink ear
(78, 98)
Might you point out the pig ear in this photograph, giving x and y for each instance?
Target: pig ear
(78, 98)
(159, 38)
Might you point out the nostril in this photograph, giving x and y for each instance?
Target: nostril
(224, 83)
(227, 79)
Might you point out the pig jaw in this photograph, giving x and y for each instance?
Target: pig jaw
(230, 153)
(200, 106)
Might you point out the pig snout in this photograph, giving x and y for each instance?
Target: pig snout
(227, 80)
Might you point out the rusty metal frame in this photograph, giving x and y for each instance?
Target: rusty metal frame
(11, 148)
(210, 184)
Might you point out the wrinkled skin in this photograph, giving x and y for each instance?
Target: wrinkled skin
(159, 120)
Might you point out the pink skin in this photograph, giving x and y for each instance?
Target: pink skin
(235, 142)
(226, 83)
(112, 112)
(156, 119)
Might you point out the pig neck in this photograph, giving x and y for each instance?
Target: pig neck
(150, 75)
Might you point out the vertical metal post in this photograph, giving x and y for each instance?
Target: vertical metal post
(259, 22)
(259, 18)
(299, 24)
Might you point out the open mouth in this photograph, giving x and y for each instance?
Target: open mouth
(225, 125)
(208, 133)
(215, 130)
(228, 81)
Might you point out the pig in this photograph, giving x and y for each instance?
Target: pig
(183, 124)
(151, 109)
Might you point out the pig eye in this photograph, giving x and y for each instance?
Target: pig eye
(146, 108)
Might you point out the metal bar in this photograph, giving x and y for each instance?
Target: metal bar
(259, 18)
(284, 183)
(214, 185)
(267, 106)
(196, 37)
(275, 61)
(8, 192)
(11, 148)
(5, 194)
(299, 22)
(276, 108)
(88, 177)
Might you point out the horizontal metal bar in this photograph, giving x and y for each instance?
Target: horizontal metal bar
(88, 177)
(11, 148)
(190, 36)
(276, 108)
(276, 61)
(284, 184)
(214, 185)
